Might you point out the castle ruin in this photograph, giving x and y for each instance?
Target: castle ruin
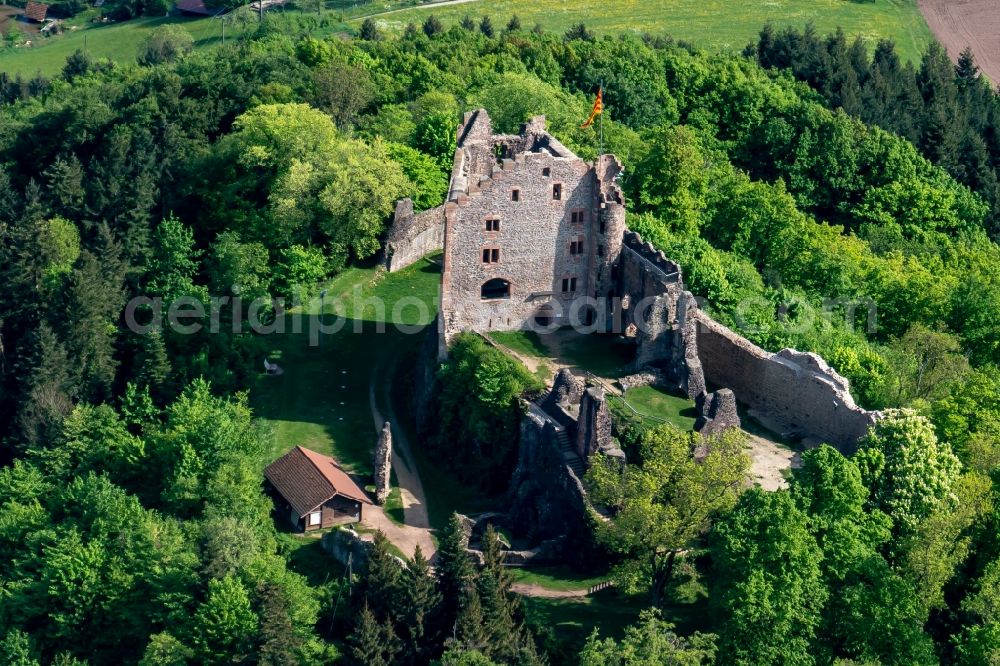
(533, 236)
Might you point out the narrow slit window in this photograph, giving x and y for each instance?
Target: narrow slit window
(557, 192)
(603, 225)
(486, 256)
(495, 255)
(515, 195)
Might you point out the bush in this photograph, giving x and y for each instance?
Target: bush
(478, 411)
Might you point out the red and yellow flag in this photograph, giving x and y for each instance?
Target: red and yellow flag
(598, 108)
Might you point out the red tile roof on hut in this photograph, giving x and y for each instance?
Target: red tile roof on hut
(317, 491)
(36, 11)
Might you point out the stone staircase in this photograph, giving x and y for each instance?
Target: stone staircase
(570, 456)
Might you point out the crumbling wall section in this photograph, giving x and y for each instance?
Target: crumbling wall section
(793, 392)
(413, 236)
(649, 286)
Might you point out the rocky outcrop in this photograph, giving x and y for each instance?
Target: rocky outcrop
(547, 499)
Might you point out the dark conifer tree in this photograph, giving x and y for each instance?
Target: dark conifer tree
(467, 23)
(373, 643)
(77, 64)
(65, 179)
(470, 628)
(966, 70)
(279, 643)
(50, 392)
(369, 30)
(421, 601)
(454, 571)
(432, 26)
(381, 592)
(486, 27)
(514, 24)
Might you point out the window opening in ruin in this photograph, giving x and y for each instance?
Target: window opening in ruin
(491, 255)
(557, 192)
(576, 247)
(577, 217)
(494, 289)
(603, 225)
(546, 172)
(492, 224)
(494, 255)
(486, 255)
(568, 285)
(515, 195)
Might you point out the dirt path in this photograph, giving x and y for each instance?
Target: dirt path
(417, 523)
(961, 23)
(769, 462)
(423, 6)
(404, 537)
(532, 590)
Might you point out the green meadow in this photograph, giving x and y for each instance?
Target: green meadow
(711, 24)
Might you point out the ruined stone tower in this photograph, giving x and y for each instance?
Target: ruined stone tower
(529, 229)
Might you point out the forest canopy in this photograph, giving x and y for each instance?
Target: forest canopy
(816, 195)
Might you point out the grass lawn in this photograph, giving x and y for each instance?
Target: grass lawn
(712, 24)
(659, 403)
(322, 399)
(556, 578)
(527, 343)
(120, 41)
(572, 620)
(604, 355)
(305, 555)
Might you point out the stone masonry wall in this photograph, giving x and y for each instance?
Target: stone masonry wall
(796, 392)
(534, 243)
(413, 236)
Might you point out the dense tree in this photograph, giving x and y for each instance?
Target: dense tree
(165, 44)
(908, 471)
(651, 641)
(663, 506)
(479, 409)
(454, 571)
(769, 584)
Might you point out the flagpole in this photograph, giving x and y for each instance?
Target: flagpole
(602, 118)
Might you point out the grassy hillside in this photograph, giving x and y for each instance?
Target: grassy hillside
(118, 41)
(713, 24)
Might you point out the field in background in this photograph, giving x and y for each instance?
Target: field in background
(118, 41)
(973, 23)
(712, 24)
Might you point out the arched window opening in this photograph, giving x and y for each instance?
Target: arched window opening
(495, 288)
